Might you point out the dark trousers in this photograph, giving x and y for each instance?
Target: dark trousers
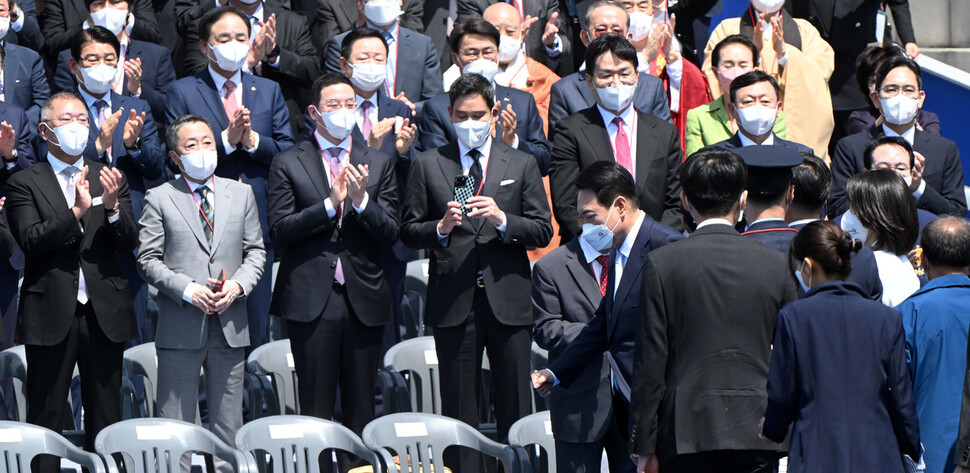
(257, 305)
(49, 379)
(459, 352)
(336, 348)
(587, 457)
(723, 461)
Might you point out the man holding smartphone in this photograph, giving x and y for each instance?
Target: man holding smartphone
(202, 247)
(478, 288)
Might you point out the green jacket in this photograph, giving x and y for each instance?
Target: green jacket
(709, 124)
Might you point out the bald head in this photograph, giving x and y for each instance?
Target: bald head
(946, 247)
(502, 15)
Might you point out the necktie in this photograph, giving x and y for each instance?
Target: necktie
(206, 214)
(335, 166)
(621, 146)
(366, 124)
(229, 99)
(476, 170)
(604, 261)
(69, 174)
(102, 107)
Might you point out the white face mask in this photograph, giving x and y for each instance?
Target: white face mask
(71, 138)
(98, 79)
(618, 97)
(472, 134)
(200, 165)
(757, 119)
(382, 12)
(339, 123)
(600, 237)
(851, 225)
(640, 25)
(486, 68)
(801, 281)
(4, 26)
(899, 110)
(110, 18)
(368, 77)
(508, 48)
(231, 56)
(767, 6)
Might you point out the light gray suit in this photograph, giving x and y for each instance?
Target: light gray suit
(173, 253)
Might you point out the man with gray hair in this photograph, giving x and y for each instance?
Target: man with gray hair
(936, 321)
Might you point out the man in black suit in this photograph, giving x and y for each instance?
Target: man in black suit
(615, 130)
(62, 19)
(936, 168)
(811, 181)
(704, 342)
(335, 17)
(603, 187)
(770, 193)
(144, 69)
(474, 45)
(72, 310)
(332, 207)
(7, 248)
(478, 291)
(413, 72)
(572, 94)
(755, 107)
(17, 154)
(543, 20)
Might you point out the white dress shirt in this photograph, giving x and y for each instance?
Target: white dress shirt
(745, 141)
(345, 146)
(220, 82)
(623, 253)
(629, 117)
(908, 135)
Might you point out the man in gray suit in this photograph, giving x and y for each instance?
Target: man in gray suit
(196, 230)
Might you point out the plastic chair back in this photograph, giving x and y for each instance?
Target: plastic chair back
(416, 276)
(140, 360)
(20, 443)
(157, 445)
(275, 359)
(13, 365)
(420, 439)
(535, 429)
(417, 360)
(296, 442)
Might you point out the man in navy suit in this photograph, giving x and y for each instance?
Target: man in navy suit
(572, 94)
(899, 95)
(24, 82)
(145, 69)
(254, 123)
(474, 46)
(755, 107)
(413, 70)
(607, 205)
(17, 154)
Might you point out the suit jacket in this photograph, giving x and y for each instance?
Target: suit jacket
(310, 242)
(52, 240)
(25, 82)
(565, 294)
(173, 252)
(703, 347)
(513, 180)
(571, 94)
(418, 70)
(156, 67)
(774, 233)
(541, 9)
(734, 142)
(269, 117)
(582, 139)
(7, 247)
(612, 328)
(943, 172)
(62, 19)
(435, 128)
(335, 17)
(836, 421)
(29, 35)
(15, 117)
(710, 124)
(864, 272)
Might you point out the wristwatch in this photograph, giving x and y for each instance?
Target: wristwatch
(135, 147)
(275, 53)
(12, 158)
(114, 210)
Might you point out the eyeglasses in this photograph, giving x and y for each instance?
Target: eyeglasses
(332, 105)
(893, 90)
(472, 53)
(93, 59)
(898, 168)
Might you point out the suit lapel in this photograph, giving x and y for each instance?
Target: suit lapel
(599, 138)
(583, 274)
(10, 78)
(134, 51)
(450, 164)
(638, 255)
(208, 93)
(224, 205)
(187, 206)
(498, 164)
(95, 189)
(644, 142)
(349, 10)
(51, 187)
(249, 93)
(312, 160)
(584, 89)
(118, 140)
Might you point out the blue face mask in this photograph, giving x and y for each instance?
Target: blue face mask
(600, 237)
(801, 281)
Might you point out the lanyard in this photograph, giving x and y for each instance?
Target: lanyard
(199, 204)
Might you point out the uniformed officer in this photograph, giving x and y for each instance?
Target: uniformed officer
(770, 192)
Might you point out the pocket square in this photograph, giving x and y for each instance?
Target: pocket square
(506, 182)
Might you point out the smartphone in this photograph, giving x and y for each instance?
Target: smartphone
(464, 189)
(217, 286)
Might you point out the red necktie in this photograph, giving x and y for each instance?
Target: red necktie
(229, 99)
(621, 146)
(604, 261)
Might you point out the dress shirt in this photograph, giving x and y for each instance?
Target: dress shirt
(623, 253)
(714, 221)
(908, 135)
(466, 165)
(220, 81)
(804, 221)
(344, 158)
(745, 141)
(629, 117)
(764, 220)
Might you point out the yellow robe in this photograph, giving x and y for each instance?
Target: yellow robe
(804, 82)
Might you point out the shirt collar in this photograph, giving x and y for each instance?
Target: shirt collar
(220, 81)
(714, 221)
(746, 142)
(631, 237)
(588, 251)
(626, 115)
(393, 31)
(804, 221)
(193, 186)
(90, 99)
(484, 148)
(372, 100)
(59, 166)
(908, 135)
(258, 14)
(327, 144)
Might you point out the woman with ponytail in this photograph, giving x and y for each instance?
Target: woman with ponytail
(838, 367)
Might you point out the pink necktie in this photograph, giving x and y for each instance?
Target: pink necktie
(338, 274)
(229, 99)
(102, 116)
(366, 125)
(621, 146)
